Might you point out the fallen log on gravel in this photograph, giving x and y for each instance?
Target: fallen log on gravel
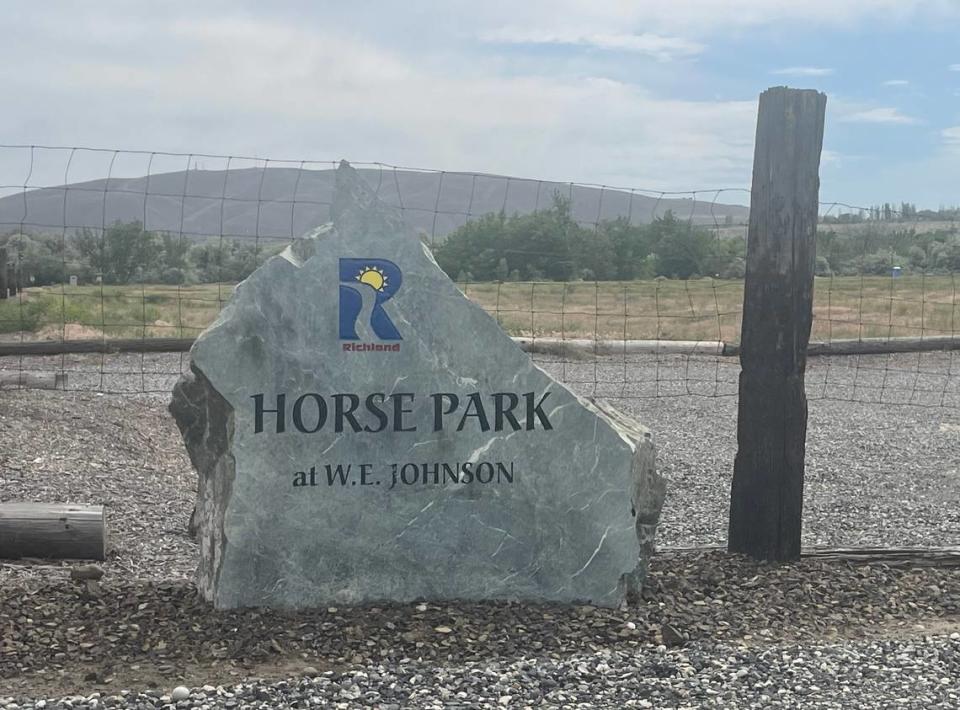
(890, 556)
(52, 530)
(33, 380)
(872, 346)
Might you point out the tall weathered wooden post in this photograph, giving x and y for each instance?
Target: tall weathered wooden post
(766, 499)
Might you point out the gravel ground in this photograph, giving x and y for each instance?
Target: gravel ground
(714, 630)
(918, 675)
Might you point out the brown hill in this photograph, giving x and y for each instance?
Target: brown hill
(278, 203)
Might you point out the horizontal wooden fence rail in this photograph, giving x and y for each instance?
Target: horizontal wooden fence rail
(872, 346)
(558, 346)
(77, 347)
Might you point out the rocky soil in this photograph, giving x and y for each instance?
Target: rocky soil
(712, 630)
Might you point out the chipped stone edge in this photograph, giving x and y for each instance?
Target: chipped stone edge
(196, 405)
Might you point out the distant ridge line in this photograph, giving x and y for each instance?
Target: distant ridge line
(281, 202)
(366, 164)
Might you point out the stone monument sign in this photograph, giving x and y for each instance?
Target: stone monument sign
(363, 432)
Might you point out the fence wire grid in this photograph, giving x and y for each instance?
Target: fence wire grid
(619, 292)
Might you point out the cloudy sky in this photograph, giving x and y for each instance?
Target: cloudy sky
(652, 94)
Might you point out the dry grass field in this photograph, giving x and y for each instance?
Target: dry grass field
(707, 309)
(710, 309)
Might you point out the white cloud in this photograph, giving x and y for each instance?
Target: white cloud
(698, 18)
(259, 87)
(879, 115)
(896, 82)
(660, 47)
(951, 136)
(954, 67)
(831, 157)
(803, 71)
(299, 79)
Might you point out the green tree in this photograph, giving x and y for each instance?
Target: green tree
(476, 247)
(40, 257)
(175, 251)
(823, 267)
(682, 249)
(948, 255)
(627, 248)
(229, 262)
(544, 244)
(878, 263)
(122, 253)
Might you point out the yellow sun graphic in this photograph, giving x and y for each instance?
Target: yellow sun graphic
(373, 277)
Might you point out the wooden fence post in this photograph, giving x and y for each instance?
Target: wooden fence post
(3, 272)
(766, 499)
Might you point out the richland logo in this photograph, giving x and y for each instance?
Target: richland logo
(365, 285)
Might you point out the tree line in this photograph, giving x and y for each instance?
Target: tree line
(546, 245)
(126, 253)
(550, 244)
(889, 212)
(876, 251)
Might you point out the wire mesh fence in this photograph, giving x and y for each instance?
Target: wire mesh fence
(620, 292)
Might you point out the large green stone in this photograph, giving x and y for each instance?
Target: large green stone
(562, 497)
